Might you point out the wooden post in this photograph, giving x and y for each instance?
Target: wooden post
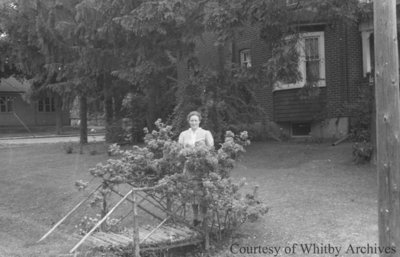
(136, 242)
(387, 124)
(83, 118)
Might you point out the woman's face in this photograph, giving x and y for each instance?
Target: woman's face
(194, 121)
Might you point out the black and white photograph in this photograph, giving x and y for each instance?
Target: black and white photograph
(199, 128)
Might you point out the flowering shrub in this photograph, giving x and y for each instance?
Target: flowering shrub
(199, 172)
(87, 223)
(362, 152)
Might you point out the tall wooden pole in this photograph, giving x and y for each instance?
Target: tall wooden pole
(387, 124)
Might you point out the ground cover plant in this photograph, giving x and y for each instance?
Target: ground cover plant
(315, 193)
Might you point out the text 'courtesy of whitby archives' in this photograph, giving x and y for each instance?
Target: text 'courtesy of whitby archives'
(310, 249)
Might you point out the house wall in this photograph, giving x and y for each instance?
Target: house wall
(343, 73)
(289, 107)
(28, 113)
(343, 54)
(248, 38)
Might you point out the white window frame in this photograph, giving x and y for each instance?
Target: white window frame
(245, 63)
(302, 64)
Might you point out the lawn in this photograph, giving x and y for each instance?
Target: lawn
(315, 194)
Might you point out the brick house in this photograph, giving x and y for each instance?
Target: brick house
(15, 110)
(331, 51)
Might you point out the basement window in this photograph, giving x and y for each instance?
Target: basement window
(301, 129)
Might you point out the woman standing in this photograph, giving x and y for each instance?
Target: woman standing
(192, 137)
(195, 135)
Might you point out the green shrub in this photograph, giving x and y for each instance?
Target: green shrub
(362, 152)
(116, 134)
(183, 174)
(259, 131)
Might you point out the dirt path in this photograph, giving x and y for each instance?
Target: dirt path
(47, 140)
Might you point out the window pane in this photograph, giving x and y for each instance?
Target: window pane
(9, 104)
(311, 48)
(3, 107)
(312, 71)
(312, 59)
(245, 58)
(40, 106)
(53, 108)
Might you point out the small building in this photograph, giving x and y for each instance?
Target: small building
(18, 111)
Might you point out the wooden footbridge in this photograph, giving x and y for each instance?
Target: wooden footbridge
(174, 229)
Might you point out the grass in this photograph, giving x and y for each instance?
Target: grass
(315, 193)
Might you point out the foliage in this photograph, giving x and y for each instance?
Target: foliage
(362, 152)
(87, 223)
(360, 127)
(86, 47)
(183, 174)
(68, 147)
(223, 101)
(361, 113)
(116, 134)
(259, 131)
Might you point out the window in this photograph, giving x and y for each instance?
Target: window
(311, 50)
(291, 2)
(6, 104)
(312, 59)
(46, 104)
(245, 58)
(301, 129)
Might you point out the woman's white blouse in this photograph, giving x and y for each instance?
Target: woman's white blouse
(199, 136)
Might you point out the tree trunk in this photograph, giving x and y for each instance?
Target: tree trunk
(108, 106)
(387, 124)
(59, 114)
(151, 106)
(83, 119)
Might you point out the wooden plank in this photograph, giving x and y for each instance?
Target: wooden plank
(123, 239)
(100, 222)
(116, 239)
(186, 229)
(175, 245)
(388, 124)
(97, 241)
(153, 237)
(178, 232)
(104, 238)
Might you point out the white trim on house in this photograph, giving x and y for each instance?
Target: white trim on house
(302, 62)
(245, 58)
(366, 51)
